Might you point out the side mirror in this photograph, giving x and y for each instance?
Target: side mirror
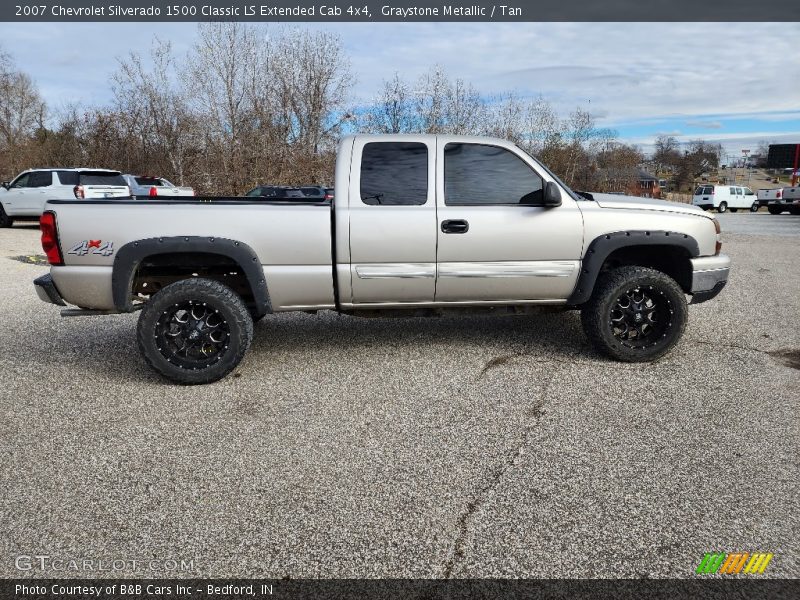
(6, 184)
(552, 195)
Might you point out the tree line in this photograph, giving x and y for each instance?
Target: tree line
(249, 105)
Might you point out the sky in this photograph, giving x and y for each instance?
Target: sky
(733, 83)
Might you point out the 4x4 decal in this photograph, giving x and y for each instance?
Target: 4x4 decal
(92, 247)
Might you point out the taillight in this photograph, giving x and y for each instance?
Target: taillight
(153, 192)
(328, 196)
(47, 223)
(778, 195)
(718, 230)
(78, 191)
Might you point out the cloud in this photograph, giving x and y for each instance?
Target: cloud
(621, 72)
(704, 124)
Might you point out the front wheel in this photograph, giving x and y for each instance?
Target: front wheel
(5, 220)
(194, 331)
(635, 314)
(754, 208)
(723, 206)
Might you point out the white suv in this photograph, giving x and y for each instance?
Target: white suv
(25, 196)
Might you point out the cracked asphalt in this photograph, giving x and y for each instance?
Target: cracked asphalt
(453, 447)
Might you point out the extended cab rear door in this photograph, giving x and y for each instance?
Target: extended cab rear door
(392, 220)
(491, 245)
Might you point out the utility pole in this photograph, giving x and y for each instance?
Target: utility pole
(794, 168)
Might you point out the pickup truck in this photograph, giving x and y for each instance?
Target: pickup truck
(420, 225)
(767, 195)
(787, 199)
(150, 187)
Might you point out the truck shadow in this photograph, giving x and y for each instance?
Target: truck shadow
(333, 335)
(295, 343)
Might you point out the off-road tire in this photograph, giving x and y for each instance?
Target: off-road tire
(611, 287)
(774, 210)
(5, 220)
(794, 211)
(723, 206)
(217, 319)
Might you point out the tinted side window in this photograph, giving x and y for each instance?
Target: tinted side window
(394, 173)
(40, 179)
(21, 181)
(478, 174)
(68, 177)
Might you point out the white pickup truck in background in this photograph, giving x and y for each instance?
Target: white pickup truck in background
(420, 224)
(151, 187)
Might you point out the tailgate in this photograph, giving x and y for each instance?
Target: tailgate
(106, 191)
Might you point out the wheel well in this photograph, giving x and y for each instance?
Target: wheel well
(670, 260)
(159, 270)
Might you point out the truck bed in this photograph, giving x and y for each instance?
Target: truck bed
(292, 240)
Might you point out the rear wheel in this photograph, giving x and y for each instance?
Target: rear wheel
(194, 331)
(635, 314)
(5, 220)
(723, 206)
(794, 211)
(734, 209)
(774, 210)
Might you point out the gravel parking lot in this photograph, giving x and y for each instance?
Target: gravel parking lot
(472, 447)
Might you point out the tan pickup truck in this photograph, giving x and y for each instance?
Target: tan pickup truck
(421, 224)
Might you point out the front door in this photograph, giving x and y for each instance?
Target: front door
(39, 187)
(16, 197)
(492, 245)
(392, 214)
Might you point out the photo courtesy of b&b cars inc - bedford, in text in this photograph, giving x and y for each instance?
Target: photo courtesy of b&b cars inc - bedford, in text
(399, 300)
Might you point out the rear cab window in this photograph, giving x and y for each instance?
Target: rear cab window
(394, 174)
(149, 181)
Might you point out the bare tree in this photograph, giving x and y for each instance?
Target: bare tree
(22, 114)
(392, 111)
(153, 106)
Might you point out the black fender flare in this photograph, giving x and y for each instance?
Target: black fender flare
(602, 246)
(129, 257)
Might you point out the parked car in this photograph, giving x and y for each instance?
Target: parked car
(152, 187)
(318, 192)
(276, 192)
(25, 196)
(725, 197)
(425, 224)
(788, 201)
(765, 196)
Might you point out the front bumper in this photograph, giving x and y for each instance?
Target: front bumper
(709, 276)
(46, 290)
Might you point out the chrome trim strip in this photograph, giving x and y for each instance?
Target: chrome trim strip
(396, 271)
(542, 268)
